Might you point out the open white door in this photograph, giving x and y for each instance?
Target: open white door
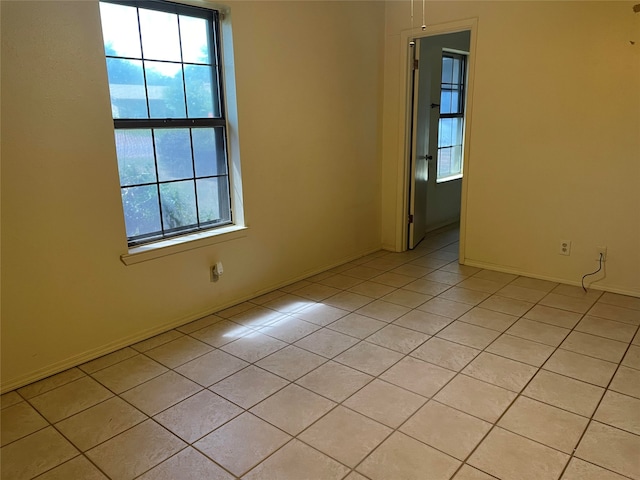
(419, 160)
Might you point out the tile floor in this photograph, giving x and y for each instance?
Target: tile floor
(394, 366)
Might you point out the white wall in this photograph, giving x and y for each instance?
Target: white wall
(555, 137)
(309, 88)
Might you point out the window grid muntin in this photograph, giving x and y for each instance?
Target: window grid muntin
(217, 122)
(455, 85)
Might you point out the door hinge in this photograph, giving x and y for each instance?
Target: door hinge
(410, 218)
(415, 64)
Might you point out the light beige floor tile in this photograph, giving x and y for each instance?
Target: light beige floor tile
(212, 367)
(292, 287)
(506, 455)
(347, 301)
(35, 454)
(19, 420)
(392, 279)
(470, 473)
(632, 358)
(335, 381)
(426, 287)
(70, 398)
(99, 423)
(448, 278)
(494, 276)
(289, 303)
(488, 319)
(386, 262)
(469, 335)
(385, 403)
(196, 416)
(291, 362)
(500, 371)
(249, 386)
(397, 338)
(405, 298)
(368, 358)
(242, 443)
(292, 409)
(321, 314)
(510, 306)
(516, 348)
(327, 343)
(588, 369)
(577, 292)
(446, 308)
(475, 397)
(253, 347)
(178, 352)
(636, 338)
(235, 310)
(534, 283)
(581, 470)
(545, 424)
(481, 285)
(611, 448)
(50, 383)
(135, 451)
(317, 292)
(627, 381)
(464, 295)
(611, 329)
(342, 282)
(402, 457)
(363, 273)
(156, 341)
(161, 393)
(357, 325)
(424, 322)
(319, 276)
(383, 311)
(412, 270)
(445, 354)
(296, 461)
(564, 392)
(199, 324)
(345, 435)
(602, 348)
(290, 329)
(620, 411)
(267, 297)
(446, 429)
(538, 332)
(521, 293)
(613, 312)
(372, 289)
(620, 300)
(258, 316)
(553, 316)
(108, 360)
(430, 261)
(129, 373)
(578, 305)
(188, 464)
(76, 468)
(417, 376)
(9, 398)
(355, 476)
(465, 270)
(221, 333)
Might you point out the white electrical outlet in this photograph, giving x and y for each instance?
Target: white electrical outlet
(601, 252)
(565, 247)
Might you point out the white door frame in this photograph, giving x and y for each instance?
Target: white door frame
(404, 122)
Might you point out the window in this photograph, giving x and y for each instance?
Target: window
(163, 64)
(451, 123)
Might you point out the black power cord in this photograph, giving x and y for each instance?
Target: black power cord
(589, 274)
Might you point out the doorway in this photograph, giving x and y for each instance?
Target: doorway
(436, 127)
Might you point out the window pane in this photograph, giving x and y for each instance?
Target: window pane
(447, 69)
(444, 132)
(120, 30)
(160, 40)
(208, 152)
(445, 101)
(135, 157)
(444, 162)
(141, 210)
(173, 151)
(455, 76)
(213, 199)
(126, 86)
(178, 204)
(165, 89)
(195, 40)
(199, 92)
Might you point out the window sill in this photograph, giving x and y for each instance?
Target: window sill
(172, 246)
(448, 179)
